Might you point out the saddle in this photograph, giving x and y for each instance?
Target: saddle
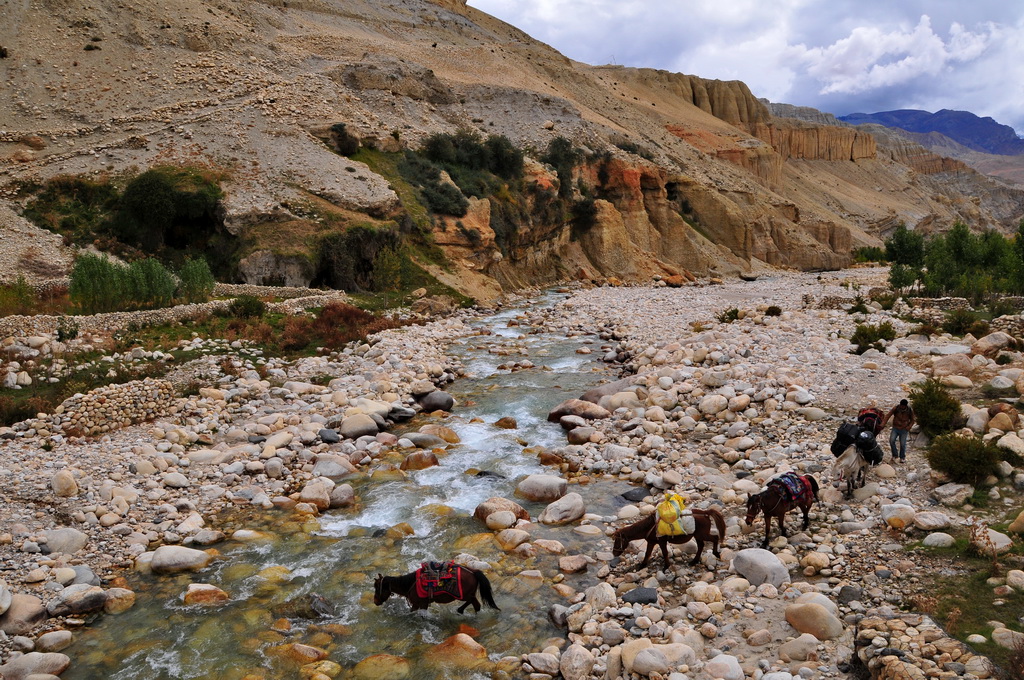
(435, 578)
(795, 487)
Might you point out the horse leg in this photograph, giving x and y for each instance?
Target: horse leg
(782, 523)
(807, 516)
(664, 550)
(647, 555)
(767, 529)
(700, 549)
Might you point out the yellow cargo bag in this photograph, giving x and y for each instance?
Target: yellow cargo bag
(671, 512)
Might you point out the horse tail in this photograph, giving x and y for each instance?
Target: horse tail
(485, 589)
(814, 486)
(719, 522)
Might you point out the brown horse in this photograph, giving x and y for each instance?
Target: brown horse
(469, 579)
(647, 529)
(775, 501)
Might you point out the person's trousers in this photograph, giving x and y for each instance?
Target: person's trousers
(895, 434)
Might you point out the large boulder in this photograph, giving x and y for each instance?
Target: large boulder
(724, 666)
(992, 343)
(333, 466)
(953, 495)
(568, 508)
(79, 598)
(23, 614)
(497, 504)
(813, 618)
(358, 425)
(170, 559)
(66, 540)
(576, 663)
(952, 364)
(898, 516)
(580, 408)
(419, 460)
(437, 400)
(40, 665)
(63, 484)
(544, 488)
(760, 566)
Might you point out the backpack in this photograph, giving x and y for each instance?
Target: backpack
(673, 517)
(871, 419)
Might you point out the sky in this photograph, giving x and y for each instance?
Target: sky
(839, 56)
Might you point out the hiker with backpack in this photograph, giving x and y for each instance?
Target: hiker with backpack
(902, 420)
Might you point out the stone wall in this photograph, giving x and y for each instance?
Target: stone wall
(236, 289)
(114, 406)
(901, 646)
(1012, 324)
(944, 303)
(115, 321)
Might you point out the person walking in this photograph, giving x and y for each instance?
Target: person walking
(902, 420)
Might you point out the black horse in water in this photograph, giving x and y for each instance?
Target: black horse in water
(469, 580)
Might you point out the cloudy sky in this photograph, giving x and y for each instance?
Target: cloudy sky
(841, 56)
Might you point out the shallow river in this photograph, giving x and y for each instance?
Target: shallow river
(336, 555)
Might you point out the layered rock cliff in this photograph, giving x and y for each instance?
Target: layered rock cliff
(686, 173)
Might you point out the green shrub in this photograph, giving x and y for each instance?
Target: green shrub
(584, 217)
(195, 281)
(966, 460)
(149, 284)
(925, 329)
(729, 315)
(563, 157)
(67, 329)
(1001, 307)
(868, 336)
(886, 300)
(167, 205)
(634, 148)
(979, 328)
(773, 310)
(444, 199)
(959, 321)
(859, 306)
(247, 307)
(1004, 359)
(346, 260)
(935, 409)
(17, 298)
(97, 285)
(869, 254)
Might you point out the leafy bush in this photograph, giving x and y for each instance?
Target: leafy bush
(925, 329)
(859, 306)
(634, 148)
(148, 284)
(584, 217)
(959, 321)
(67, 329)
(563, 157)
(1004, 359)
(773, 310)
(869, 336)
(96, 284)
(935, 409)
(967, 460)
(886, 300)
(729, 315)
(444, 199)
(1001, 307)
(195, 281)
(346, 260)
(869, 254)
(17, 298)
(979, 328)
(905, 247)
(166, 205)
(247, 307)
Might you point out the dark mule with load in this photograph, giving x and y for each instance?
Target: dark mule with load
(441, 582)
(852, 463)
(780, 496)
(647, 529)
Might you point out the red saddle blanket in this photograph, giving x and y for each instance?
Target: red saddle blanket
(434, 578)
(796, 487)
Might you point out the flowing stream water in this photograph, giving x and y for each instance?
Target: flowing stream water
(336, 554)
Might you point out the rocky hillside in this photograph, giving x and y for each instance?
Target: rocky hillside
(687, 174)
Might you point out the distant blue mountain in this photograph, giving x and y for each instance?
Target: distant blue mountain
(974, 132)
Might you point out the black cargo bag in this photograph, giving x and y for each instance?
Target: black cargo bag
(868, 447)
(846, 435)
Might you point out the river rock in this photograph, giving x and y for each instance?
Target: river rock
(580, 408)
(953, 495)
(34, 663)
(459, 651)
(568, 508)
(724, 666)
(1015, 579)
(713, 404)
(600, 596)
(506, 423)
(992, 343)
(953, 364)
(543, 662)
(316, 494)
(204, 593)
(25, 612)
(5, 597)
(800, 648)
(494, 504)
(80, 598)
(938, 540)
(992, 542)
(1017, 525)
(54, 641)
(576, 663)
(119, 600)
(358, 425)
(510, 539)
(63, 484)
(760, 566)
(811, 617)
(931, 520)
(419, 460)
(438, 400)
(898, 516)
(543, 488)
(332, 466)
(572, 564)
(66, 540)
(170, 559)
(641, 596)
(342, 496)
(502, 519)
(651, 660)
(382, 667)
(1008, 639)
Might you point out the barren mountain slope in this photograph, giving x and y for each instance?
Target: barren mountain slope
(246, 86)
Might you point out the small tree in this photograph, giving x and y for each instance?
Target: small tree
(387, 271)
(902, 277)
(195, 281)
(905, 247)
(935, 409)
(967, 460)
